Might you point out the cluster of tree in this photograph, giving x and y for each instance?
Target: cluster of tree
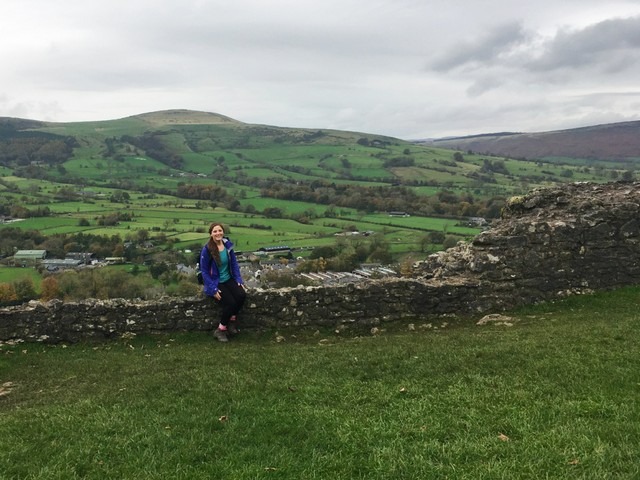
(348, 254)
(18, 291)
(115, 218)
(399, 162)
(259, 226)
(93, 283)
(58, 245)
(153, 146)
(103, 283)
(13, 239)
(375, 142)
(17, 210)
(384, 199)
(496, 166)
(120, 196)
(25, 148)
(213, 193)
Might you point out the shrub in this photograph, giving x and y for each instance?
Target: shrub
(100, 283)
(24, 289)
(7, 294)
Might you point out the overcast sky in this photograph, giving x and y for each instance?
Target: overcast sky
(405, 68)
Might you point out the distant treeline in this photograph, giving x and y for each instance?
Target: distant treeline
(212, 193)
(385, 199)
(58, 245)
(25, 148)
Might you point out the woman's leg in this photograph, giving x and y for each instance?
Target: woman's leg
(232, 299)
(239, 295)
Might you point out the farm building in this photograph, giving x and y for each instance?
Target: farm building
(61, 264)
(84, 257)
(29, 257)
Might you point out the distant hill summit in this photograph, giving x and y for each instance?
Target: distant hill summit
(185, 117)
(608, 142)
(614, 141)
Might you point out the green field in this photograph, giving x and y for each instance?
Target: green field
(553, 396)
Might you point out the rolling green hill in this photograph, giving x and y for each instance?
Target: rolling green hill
(171, 173)
(149, 150)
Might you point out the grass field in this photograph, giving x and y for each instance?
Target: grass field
(13, 274)
(553, 396)
(181, 220)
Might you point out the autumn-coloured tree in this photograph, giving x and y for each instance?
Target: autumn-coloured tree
(50, 289)
(7, 293)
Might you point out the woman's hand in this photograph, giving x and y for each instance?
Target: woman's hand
(217, 295)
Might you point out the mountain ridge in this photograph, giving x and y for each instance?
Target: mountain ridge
(610, 141)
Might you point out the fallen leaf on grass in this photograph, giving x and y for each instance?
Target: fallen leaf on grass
(270, 469)
(575, 461)
(503, 437)
(403, 390)
(5, 389)
(223, 418)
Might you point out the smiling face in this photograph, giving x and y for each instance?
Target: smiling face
(216, 233)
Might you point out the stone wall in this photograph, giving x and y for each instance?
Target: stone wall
(558, 241)
(551, 243)
(355, 304)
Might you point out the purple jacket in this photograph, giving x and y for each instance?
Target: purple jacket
(209, 268)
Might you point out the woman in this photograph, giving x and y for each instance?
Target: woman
(222, 279)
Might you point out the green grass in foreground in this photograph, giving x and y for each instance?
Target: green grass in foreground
(553, 396)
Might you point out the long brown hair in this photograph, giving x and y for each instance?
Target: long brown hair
(211, 245)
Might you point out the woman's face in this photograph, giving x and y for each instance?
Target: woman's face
(217, 233)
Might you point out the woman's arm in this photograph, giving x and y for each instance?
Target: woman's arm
(209, 272)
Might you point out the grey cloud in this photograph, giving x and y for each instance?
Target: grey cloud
(483, 85)
(497, 43)
(610, 45)
(353, 64)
